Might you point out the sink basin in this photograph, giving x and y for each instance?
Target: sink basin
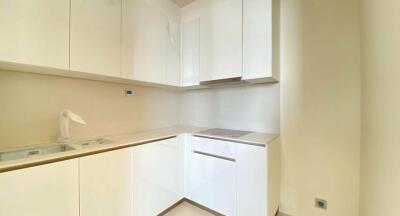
(32, 152)
(87, 143)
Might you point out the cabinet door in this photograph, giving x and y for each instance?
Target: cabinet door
(150, 41)
(221, 41)
(47, 190)
(143, 42)
(257, 39)
(212, 183)
(158, 176)
(252, 180)
(95, 36)
(106, 184)
(35, 32)
(173, 43)
(190, 52)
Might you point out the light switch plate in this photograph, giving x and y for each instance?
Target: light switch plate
(128, 92)
(320, 203)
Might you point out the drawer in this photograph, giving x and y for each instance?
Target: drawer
(214, 147)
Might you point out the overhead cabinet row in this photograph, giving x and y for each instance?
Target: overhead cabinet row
(154, 41)
(230, 39)
(130, 39)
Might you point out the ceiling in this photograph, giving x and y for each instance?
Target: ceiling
(182, 3)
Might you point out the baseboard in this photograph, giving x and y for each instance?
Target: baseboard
(281, 213)
(203, 207)
(171, 207)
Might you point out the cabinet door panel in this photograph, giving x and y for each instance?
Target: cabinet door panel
(158, 176)
(150, 41)
(190, 52)
(46, 190)
(252, 180)
(143, 39)
(212, 183)
(95, 36)
(257, 39)
(221, 41)
(35, 32)
(106, 184)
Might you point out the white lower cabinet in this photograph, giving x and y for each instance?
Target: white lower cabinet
(46, 190)
(211, 175)
(231, 178)
(106, 184)
(158, 176)
(212, 182)
(252, 180)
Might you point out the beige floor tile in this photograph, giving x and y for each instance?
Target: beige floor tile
(186, 209)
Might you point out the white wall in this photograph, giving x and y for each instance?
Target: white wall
(254, 108)
(380, 148)
(31, 103)
(320, 101)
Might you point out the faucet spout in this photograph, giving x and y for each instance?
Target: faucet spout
(65, 117)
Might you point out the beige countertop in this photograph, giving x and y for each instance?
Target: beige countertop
(127, 140)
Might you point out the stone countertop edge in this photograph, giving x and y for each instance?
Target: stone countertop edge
(132, 139)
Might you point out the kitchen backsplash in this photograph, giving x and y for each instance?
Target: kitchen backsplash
(31, 105)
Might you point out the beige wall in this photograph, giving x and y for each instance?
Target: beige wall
(254, 108)
(320, 101)
(380, 148)
(30, 105)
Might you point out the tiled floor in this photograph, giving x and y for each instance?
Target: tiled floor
(186, 209)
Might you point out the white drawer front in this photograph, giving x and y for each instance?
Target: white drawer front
(214, 147)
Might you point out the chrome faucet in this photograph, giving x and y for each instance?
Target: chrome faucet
(65, 116)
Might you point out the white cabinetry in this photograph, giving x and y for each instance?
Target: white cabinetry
(260, 59)
(158, 176)
(212, 175)
(106, 186)
(46, 190)
(252, 180)
(35, 32)
(95, 37)
(190, 59)
(151, 41)
(233, 178)
(221, 40)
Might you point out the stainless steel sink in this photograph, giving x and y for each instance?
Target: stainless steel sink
(87, 143)
(32, 152)
(50, 149)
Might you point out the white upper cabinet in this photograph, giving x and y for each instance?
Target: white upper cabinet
(221, 40)
(35, 32)
(106, 186)
(95, 36)
(46, 190)
(151, 41)
(258, 48)
(190, 59)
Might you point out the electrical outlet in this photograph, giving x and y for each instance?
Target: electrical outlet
(320, 203)
(128, 92)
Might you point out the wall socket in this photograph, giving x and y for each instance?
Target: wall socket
(128, 92)
(321, 204)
